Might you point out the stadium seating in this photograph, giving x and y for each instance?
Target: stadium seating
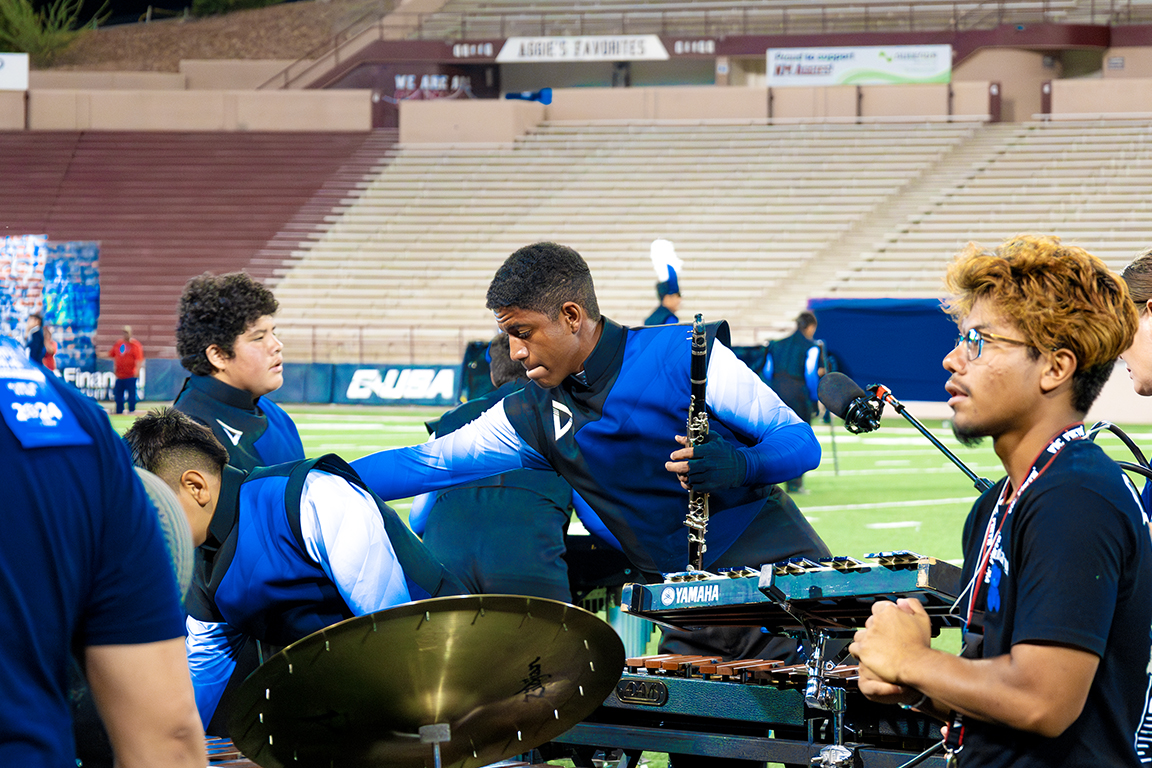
(488, 19)
(382, 253)
(748, 208)
(1086, 182)
(168, 206)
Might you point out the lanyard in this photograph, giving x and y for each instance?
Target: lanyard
(955, 741)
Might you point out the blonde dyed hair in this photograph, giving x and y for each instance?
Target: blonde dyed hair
(1058, 296)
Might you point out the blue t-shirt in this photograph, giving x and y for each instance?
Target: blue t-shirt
(82, 556)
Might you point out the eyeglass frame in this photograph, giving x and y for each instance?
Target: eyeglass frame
(965, 338)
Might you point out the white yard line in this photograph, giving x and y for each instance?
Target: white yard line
(893, 504)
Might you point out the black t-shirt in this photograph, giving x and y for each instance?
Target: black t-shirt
(1073, 566)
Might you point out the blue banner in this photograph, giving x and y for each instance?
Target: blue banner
(21, 281)
(72, 302)
(900, 343)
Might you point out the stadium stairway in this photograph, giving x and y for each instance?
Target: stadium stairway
(168, 206)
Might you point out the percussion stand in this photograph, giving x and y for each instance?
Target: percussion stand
(819, 694)
(434, 735)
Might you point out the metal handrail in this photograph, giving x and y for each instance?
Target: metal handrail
(707, 19)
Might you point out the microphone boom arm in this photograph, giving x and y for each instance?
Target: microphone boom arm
(884, 395)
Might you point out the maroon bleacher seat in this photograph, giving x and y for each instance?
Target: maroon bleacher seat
(168, 206)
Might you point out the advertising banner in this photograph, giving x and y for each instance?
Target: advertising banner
(396, 384)
(61, 281)
(72, 302)
(13, 71)
(866, 65)
(22, 260)
(583, 48)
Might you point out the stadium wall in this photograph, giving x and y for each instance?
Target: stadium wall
(1090, 99)
(1020, 74)
(1127, 61)
(12, 110)
(174, 110)
(454, 121)
(230, 74)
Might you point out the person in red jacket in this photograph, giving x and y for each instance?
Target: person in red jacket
(127, 356)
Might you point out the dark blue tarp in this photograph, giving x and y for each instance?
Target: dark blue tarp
(899, 343)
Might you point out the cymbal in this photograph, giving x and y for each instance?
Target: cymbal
(504, 673)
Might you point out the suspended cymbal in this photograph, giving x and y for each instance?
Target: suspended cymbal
(505, 673)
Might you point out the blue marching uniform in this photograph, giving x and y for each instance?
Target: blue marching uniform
(791, 368)
(609, 432)
(291, 549)
(503, 534)
(256, 433)
(661, 316)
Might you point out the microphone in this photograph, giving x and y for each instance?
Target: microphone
(861, 413)
(844, 397)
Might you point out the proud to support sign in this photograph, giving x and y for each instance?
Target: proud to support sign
(866, 65)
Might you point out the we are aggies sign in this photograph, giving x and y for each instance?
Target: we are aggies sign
(864, 65)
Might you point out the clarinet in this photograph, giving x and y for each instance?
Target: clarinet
(697, 517)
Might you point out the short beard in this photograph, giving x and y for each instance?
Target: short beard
(967, 439)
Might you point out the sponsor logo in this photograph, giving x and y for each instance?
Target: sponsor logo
(534, 683)
(234, 434)
(668, 596)
(560, 427)
(642, 692)
(405, 384)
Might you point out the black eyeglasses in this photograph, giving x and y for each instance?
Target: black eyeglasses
(973, 340)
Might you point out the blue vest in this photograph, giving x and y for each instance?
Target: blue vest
(611, 437)
(261, 580)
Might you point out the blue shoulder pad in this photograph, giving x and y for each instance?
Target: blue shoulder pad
(35, 412)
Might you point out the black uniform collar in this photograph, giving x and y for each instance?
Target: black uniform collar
(599, 365)
(225, 393)
(227, 506)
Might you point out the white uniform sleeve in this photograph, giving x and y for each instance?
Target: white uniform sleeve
(486, 446)
(211, 648)
(740, 399)
(344, 534)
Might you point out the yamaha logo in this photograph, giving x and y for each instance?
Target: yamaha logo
(668, 596)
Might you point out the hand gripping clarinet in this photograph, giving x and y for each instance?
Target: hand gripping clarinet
(697, 518)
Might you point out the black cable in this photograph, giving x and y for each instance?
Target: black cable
(1123, 437)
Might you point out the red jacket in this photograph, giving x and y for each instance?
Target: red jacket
(127, 356)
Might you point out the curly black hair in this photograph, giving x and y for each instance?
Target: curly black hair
(541, 277)
(217, 309)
